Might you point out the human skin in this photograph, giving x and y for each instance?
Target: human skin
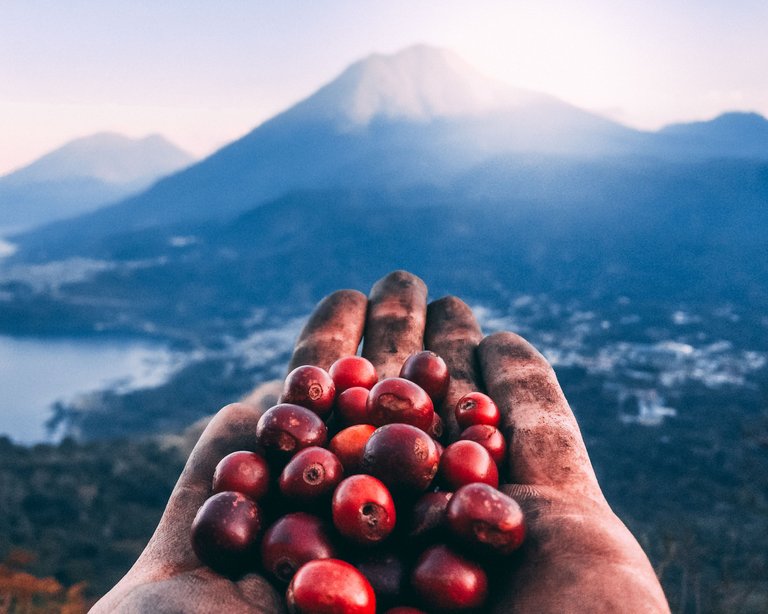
(578, 556)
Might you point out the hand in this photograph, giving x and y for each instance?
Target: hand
(578, 556)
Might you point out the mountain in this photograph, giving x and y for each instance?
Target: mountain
(420, 118)
(84, 174)
(420, 83)
(732, 134)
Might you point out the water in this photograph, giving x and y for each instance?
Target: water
(34, 373)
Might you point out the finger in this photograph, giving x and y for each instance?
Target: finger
(545, 444)
(232, 428)
(334, 329)
(452, 332)
(394, 328)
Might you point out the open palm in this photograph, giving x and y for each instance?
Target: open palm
(578, 557)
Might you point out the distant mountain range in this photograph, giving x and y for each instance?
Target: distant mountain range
(418, 117)
(84, 174)
(414, 160)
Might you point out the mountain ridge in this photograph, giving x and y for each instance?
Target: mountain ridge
(108, 156)
(84, 174)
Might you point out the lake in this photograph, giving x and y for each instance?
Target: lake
(34, 373)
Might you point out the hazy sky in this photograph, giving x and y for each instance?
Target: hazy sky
(204, 73)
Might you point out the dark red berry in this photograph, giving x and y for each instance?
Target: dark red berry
(428, 515)
(310, 387)
(387, 574)
(285, 429)
(310, 474)
(490, 438)
(348, 445)
(429, 371)
(464, 462)
(404, 457)
(225, 530)
(398, 400)
(292, 541)
(244, 472)
(363, 509)
(483, 517)
(445, 581)
(352, 371)
(476, 408)
(352, 406)
(330, 586)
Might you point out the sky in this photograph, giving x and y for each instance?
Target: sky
(204, 73)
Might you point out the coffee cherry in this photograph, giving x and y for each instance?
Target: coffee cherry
(428, 515)
(476, 408)
(402, 456)
(348, 445)
(292, 541)
(310, 387)
(352, 406)
(363, 509)
(243, 472)
(398, 400)
(387, 575)
(330, 586)
(404, 609)
(353, 371)
(310, 474)
(464, 462)
(490, 438)
(483, 517)
(429, 371)
(225, 530)
(285, 429)
(445, 581)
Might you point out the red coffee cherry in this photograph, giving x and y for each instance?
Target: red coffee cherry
(293, 540)
(243, 472)
(402, 456)
(429, 371)
(490, 438)
(330, 586)
(464, 462)
(485, 518)
(445, 581)
(310, 474)
(351, 371)
(348, 445)
(310, 387)
(225, 530)
(285, 429)
(476, 408)
(398, 400)
(352, 406)
(363, 509)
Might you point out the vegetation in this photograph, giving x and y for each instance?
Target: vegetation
(81, 512)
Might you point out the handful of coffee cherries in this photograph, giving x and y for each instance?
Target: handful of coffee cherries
(360, 501)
